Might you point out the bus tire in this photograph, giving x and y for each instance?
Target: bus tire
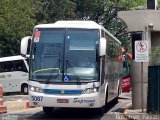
(24, 89)
(48, 110)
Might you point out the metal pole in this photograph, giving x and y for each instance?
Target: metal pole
(142, 86)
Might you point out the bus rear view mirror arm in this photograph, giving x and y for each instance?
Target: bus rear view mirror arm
(102, 47)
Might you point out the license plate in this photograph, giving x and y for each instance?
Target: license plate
(62, 101)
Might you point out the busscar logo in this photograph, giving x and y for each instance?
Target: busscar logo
(81, 101)
(62, 91)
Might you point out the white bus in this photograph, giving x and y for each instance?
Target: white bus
(56, 78)
(14, 74)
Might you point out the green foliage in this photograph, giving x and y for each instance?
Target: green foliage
(105, 13)
(18, 17)
(158, 4)
(50, 11)
(155, 56)
(131, 4)
(16, 21)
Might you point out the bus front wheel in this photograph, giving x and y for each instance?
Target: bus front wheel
(48, 110)
(24, 89)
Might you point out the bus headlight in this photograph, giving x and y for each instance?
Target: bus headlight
(35, 89)
(91, 90)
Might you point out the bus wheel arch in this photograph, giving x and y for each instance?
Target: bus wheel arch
(24, 88)
(106, 97)
(119, 88)
(115, 101)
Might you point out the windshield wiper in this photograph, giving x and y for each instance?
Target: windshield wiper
(51, 73)
(72, 70)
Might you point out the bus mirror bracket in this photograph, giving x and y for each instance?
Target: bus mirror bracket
(102, 47)
(24, 45)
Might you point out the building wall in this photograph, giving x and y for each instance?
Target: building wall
(137, 20)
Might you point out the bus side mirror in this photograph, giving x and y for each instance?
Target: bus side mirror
(102, 47)
(24, 45)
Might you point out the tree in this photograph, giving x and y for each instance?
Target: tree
(101, 11)
(16, 21)
(155, 55)
(17, 18)
(158, 4)
(49, 11)
(105, 13)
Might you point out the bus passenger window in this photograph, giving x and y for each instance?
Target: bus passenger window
(20, 66)
(1, 67)
(8, 66)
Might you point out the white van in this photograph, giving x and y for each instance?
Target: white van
(14, 74)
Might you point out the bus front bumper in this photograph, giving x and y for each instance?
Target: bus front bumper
(70, 101)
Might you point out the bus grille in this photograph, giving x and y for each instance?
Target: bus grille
(62, 92)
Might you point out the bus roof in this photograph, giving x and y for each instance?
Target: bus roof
(76, 24)
(11, 58)
(71, 24)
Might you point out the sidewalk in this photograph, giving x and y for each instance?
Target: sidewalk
(137, 114)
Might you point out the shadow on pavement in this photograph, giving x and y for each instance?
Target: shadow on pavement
(71, 114)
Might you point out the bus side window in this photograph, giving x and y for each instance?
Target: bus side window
(2, 64)
(8, 66)
(1, 67)
(20, 65)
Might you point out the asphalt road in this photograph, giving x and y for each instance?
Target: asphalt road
(114, 112)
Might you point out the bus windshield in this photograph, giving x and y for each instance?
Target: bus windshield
(64, 55)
